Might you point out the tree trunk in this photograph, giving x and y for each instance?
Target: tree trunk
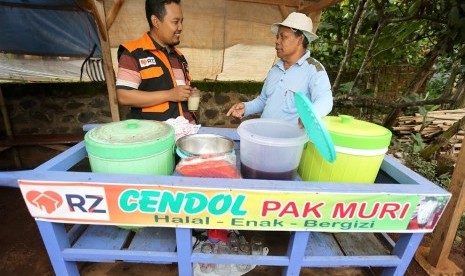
(368, 55)
(383, 104)
(451, 81)
(417, 82)
(351, 39)
(460, 95)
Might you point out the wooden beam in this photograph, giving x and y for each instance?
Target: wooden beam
(98, 10)
(284, 11)
(309, 7)
(316, 17)
(113, 13)
(445, 231)
(40, 7)
(6, 120)
(288, 3)
(60, 148)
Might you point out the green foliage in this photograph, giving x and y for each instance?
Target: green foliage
(246, 87)
(413, 29)
(345, 88)
(417, 142)
(421, 166)
(428, 169)
(329, 49)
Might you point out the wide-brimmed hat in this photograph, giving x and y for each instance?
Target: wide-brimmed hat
(297, 21)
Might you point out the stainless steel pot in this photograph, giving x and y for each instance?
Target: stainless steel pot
(200, 144)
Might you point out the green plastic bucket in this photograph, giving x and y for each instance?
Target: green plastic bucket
(360, 148)
(131, 147)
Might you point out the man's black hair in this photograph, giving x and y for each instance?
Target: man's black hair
(300, 33)
(157, 8)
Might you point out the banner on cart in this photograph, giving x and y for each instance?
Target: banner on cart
(156, 205)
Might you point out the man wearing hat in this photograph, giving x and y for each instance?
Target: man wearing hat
(295, 72)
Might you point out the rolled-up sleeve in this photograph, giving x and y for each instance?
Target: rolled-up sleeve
(258, 104)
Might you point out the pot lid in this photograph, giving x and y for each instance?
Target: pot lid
(129, 139)
(346, 131)
(315, 128)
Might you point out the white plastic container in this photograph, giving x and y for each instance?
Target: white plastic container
(270, 149)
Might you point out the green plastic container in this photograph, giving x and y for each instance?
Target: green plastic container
(132, 147)
(360, 148)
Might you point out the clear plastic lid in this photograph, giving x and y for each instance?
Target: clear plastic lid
(272, 132)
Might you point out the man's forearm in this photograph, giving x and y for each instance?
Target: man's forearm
(138, 98)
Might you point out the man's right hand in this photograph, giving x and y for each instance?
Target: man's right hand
(180, 93)
(237, 110)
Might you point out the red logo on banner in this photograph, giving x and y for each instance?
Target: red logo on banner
(47, 201)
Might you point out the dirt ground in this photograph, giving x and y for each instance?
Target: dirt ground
(22, 251)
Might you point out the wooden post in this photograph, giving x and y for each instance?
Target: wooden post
(113, 13)
(9, 131)
(6, 120)
(98, 10)
(444, 234)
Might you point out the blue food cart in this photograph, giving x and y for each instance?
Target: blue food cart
(80, 214)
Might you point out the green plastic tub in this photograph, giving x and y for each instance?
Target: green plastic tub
(132, 147)
(360, 148)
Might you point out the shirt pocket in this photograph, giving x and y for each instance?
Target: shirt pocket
(289, 103)
(152, 72)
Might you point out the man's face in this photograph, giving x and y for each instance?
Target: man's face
(169, 29)
(287, 43)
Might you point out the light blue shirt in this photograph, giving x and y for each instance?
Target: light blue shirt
(276, 99)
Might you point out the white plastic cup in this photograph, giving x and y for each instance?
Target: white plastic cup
(207, 248)
(194, 100)
(223, 269)
(256, 245)
(244, 249)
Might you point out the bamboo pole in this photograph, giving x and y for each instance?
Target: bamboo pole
(444, 233)
(98, 10)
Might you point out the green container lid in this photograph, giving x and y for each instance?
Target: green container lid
(345, 131)
(315, 128)
(129, 139)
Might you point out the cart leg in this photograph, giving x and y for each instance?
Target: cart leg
(296, 252)
(184, 250)
(55, 239)
(405, 248)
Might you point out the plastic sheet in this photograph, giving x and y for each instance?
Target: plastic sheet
(223, 166)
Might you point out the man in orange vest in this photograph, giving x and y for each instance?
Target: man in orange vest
(153, 76)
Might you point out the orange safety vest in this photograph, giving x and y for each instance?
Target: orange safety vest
(156, 74)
